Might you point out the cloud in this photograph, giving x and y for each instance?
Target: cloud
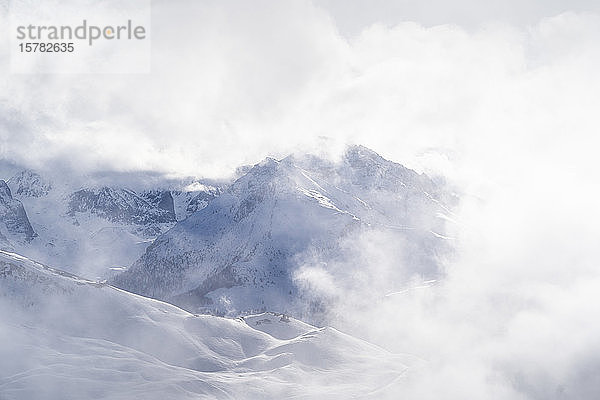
(352, 16)
(513, 315)
(231, 83)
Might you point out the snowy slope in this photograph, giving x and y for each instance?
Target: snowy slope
(66, 337)
(239, 254)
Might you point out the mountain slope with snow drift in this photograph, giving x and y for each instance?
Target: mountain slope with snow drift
(66, 337)
(240, 253)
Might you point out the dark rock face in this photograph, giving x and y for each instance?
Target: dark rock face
(162, 200)
(14, 223)
(123, 206)
(29, 184)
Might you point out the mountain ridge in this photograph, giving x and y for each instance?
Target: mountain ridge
(239, 253)
(101, 226)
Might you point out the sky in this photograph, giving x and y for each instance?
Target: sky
(353, 16)
(427, 85)
(501, 97)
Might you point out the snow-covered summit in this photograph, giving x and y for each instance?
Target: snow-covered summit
(239, 253)
(30, 184)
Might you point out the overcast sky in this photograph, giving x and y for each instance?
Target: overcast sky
(432, 84)
(351, 16)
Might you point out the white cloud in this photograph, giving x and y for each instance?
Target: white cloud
(232, 82)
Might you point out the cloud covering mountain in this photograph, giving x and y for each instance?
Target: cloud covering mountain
(243, 251)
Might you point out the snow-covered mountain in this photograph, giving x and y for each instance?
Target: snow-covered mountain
(67, 337)
(240, 252)
(237, 249)
(103, 226)
(148, 210)
(29, 184)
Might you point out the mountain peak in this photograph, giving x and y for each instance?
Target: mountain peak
(29, 184)
(360, 151)
(269, 162)
(239, 253)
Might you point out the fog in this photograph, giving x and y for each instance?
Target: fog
(511, 318)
